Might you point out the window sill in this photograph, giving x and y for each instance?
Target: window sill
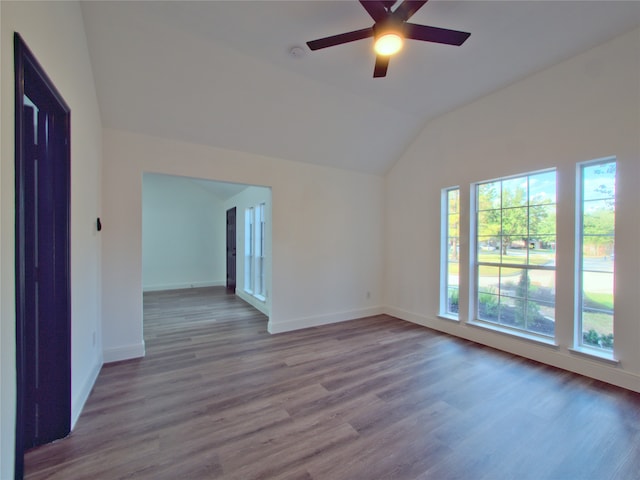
(549, 342)
(262, 298)
(595, 354)
(451, 318)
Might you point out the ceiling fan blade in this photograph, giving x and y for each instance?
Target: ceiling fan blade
(376, 9)
(340, 39)
(382, 63)
(435, 34)
(407, 9)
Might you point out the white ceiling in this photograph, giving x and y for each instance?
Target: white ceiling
(219, 73)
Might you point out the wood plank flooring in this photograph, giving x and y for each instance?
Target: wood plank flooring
(377, 398)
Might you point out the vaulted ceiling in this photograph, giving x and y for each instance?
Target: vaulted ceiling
(221, 73)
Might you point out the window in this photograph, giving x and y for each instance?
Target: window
(254, 250)
(515, 240)
(248, 250)
(450, 251)
(259, 251)
(596, 237)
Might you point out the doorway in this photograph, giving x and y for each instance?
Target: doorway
(43, 316)
(187, 234)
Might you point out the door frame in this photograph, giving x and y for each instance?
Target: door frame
(25, 60)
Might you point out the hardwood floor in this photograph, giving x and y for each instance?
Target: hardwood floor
(377, 398)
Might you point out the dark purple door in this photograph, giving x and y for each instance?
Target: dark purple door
(43, 320)
(231, 249)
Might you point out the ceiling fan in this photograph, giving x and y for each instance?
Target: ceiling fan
(390, 29)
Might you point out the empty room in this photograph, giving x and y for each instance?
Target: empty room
(320, 239)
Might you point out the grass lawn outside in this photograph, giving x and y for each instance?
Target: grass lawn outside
(598, 313)
(603, 301)
(600, 322)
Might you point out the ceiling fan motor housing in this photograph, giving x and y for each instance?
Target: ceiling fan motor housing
(388, 26)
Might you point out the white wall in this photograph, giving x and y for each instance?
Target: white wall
(54, 32)
(183, 234)
(326, 233)
(585, 108)
(248, 198)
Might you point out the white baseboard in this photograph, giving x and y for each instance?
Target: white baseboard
(180, 286)
(80, 399)
(300, 323)
(555, 356)
(123, 353)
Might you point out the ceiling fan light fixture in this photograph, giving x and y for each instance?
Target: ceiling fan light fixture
(388, 43)
(389, 31)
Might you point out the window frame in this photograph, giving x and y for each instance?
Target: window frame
(254, 251)
(477, 262)
(579, 343)
(258, 252)
(248, 250)
(445, 280)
